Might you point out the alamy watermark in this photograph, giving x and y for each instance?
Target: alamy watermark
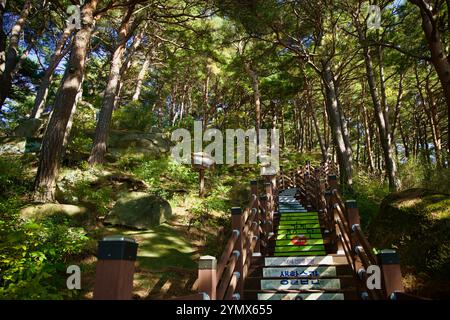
(373, 17)
(74, 280)
(74, 19)
(260, 150)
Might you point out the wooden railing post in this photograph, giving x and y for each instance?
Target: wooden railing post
(329, 209)
(389, 263)
(237, 223)
(352, 215)
(267, 224)
(258, 218)
(115, 268)
(270, 205)
(353, 219)
(283, 185)
(207, 276)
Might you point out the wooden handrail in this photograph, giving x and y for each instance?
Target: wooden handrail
(250, 226)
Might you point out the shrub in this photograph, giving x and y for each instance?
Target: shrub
(33, 255)
(134, 116)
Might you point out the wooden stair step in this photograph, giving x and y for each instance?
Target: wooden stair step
(306, 260)
(290, 242)
(300, 253)
(349, 293)
(301, 296)
(299, 226)
(299, 284)
(295, 231)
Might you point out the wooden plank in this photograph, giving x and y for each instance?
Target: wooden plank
(301, 296)
(280, 272)
(305, 261)
(303, 284)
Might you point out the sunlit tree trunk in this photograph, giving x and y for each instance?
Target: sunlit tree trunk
(42, 93)
(380, 114)
(104, 121)
(52, 143)
(439, 59)
(344, 154)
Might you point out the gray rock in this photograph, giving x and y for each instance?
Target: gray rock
(132, 142)
(19, 145)
(139, 210)
(29, 128)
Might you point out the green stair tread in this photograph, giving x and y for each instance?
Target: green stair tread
(299, 248)
(300, 253)
(301, 231)
(288, 236)
(299, 226)
(299, 221)
(288, 242)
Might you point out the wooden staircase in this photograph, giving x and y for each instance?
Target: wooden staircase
(298, 264)
(297, 239)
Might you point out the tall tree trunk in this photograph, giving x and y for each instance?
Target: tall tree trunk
(104, 121)
(344, 154)
(404, 140)
(323, 148)
(432, 114)
(3, 37)
(42, 93)
(282, 134)
(256, 95)
(439, 59)
(206, 97)
(52, 144)
(368, 139)
(380, 115)
(141, 77)
(12, 54)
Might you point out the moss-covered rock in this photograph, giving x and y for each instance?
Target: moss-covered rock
(139, 210)
(46, 210)
(416, 223)
(28, 128)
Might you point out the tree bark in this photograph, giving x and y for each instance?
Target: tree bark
(256, 95)
(439, 59)
(3, 37)
(52, 144)
(380, 114)
(140, 78)
(344, 154)
(42, 93)
(12, 53)
(104, 121)
(321, 139)
(368, 139)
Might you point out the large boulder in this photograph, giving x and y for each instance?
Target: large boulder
(29, 128)
(139, 210)
(45, 210)
(416, 223)
(19, 145)
(133, 142)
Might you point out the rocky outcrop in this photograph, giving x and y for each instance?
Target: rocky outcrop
(139, 210)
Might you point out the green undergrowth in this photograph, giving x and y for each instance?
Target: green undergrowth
(33, 254)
